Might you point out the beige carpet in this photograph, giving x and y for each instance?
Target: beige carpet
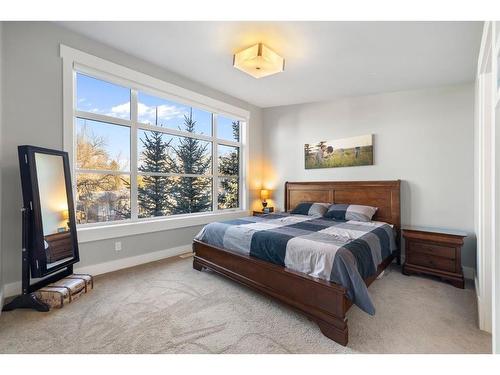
(167, 307)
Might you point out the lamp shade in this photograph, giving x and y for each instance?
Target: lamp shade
(65, 215)
(259, 61)
(264, 194)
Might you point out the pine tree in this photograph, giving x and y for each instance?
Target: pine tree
(153, 191)
(189, 156)
(229, 166)
(236, 130)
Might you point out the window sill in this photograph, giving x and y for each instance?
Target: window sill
(103, 232)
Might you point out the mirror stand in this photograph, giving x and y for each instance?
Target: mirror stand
(27, 299)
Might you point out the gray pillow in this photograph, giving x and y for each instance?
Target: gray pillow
(311, 209)
(350, 212)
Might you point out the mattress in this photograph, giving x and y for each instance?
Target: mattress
(343, 252)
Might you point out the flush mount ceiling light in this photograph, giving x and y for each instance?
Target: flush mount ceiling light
(259, 61)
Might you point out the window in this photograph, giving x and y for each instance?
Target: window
(141, 155)
(102, 97)
(102, 171)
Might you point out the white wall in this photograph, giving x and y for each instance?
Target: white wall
(1, 161)
(496, 267)
(33, 115)
(485, 188)
(424, 138)
(496, 270)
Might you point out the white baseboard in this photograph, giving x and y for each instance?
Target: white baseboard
(14, 288)
(484, 316)
(480, 316)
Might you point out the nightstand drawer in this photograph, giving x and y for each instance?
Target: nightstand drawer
(431, 261)
(431, 249)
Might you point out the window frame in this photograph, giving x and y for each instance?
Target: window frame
(75, 61)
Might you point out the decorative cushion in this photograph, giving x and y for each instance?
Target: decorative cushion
(310, 208)
(350, 212)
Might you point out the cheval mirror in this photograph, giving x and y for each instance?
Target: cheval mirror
(49, 239)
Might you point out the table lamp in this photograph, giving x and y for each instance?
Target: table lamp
(264, 194)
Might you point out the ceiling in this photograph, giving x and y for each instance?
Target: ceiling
(324, 60)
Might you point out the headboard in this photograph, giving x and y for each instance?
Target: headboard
(382, 194)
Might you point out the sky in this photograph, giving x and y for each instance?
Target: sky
(360, 141)
(93, 95)
(117, 139)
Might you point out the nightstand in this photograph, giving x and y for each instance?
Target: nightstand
(436, 252)
(257, 213)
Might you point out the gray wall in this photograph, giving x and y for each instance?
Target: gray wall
(424, 138)
(33, 115)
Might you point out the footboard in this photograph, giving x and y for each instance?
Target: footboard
(324, 302)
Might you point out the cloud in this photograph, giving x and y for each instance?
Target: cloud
(147, 114)
(165, 112)
(120, 110)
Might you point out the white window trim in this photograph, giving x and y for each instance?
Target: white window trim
(74, 59)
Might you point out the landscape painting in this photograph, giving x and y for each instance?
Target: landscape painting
(346, 152)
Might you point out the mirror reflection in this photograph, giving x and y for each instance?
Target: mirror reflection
(58, 240)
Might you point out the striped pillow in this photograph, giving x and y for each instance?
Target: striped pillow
(310, 208)
(350, 212)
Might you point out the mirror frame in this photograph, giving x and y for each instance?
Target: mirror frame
(31, 200)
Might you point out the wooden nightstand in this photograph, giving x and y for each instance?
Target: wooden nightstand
(257, 213)
(434, 252)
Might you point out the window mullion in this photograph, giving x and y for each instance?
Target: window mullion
(226, 142)
(168, 174)
(134, 209)
(170, 131)
(102, 118)
(101, 171)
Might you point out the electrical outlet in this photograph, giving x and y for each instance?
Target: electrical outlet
(118, 246)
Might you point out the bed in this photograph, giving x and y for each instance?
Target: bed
(324, 301)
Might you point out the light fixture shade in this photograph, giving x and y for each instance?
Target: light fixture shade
(264, 194)
(259, 61)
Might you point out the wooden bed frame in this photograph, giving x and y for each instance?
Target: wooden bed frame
(324, 302)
